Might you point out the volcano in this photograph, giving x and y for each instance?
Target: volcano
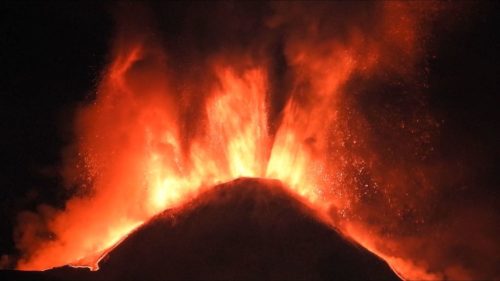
(245, 229)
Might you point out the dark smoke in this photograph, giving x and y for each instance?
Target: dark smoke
(403, 179)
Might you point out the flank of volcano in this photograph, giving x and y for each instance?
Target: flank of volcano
(248, 228)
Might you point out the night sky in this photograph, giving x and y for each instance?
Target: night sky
(52, 55)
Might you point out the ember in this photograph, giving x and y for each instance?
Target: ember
(171, 120)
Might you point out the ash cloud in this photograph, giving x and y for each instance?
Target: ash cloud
(381, 145)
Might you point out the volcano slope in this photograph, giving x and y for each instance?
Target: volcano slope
(244, 229)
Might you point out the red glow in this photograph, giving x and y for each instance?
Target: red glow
(145, 146)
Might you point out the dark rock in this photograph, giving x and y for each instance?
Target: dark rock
(245, 229)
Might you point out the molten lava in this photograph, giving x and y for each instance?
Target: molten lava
(157, 135)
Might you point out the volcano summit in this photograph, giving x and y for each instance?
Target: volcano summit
(245, 229)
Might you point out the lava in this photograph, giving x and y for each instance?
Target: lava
(157, 135)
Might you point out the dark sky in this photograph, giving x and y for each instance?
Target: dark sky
(51, 55)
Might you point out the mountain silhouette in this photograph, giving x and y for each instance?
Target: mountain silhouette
(245, 229)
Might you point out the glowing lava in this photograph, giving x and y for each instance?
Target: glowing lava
(153, 138)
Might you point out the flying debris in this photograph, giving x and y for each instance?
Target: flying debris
(246, 229)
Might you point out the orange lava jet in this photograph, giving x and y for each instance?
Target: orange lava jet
(154, 138)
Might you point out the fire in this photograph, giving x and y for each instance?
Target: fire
(154, 139)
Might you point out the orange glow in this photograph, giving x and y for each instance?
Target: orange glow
(137, 157)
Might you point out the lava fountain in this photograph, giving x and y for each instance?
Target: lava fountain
(159, 131)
